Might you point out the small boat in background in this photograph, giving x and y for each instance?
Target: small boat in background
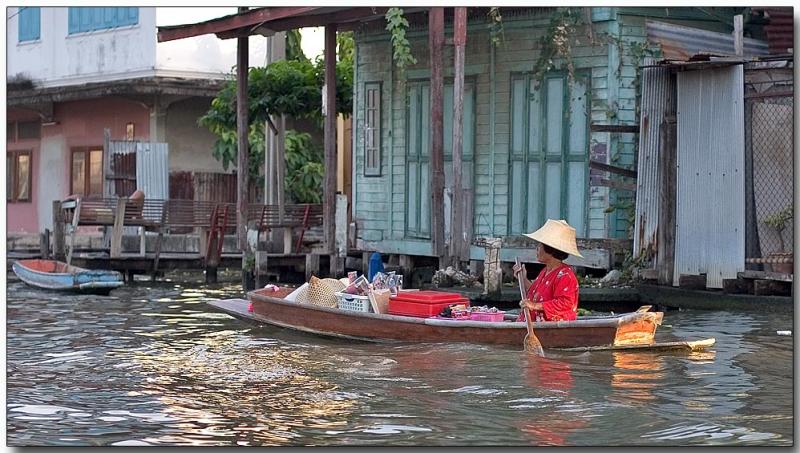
(50, 274)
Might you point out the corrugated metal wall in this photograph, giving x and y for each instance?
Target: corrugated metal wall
(710, 230)
(152, 170)
(680, 43)
(658, 97)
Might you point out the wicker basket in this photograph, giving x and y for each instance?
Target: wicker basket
(321, 292)
(353, 302)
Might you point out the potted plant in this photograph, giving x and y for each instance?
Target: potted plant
(778, 222)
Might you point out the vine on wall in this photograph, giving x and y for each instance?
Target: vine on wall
(495, 26)
(556, 43)
(397, 25)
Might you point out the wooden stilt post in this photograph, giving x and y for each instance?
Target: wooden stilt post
(312, 265)
(436, 42)
(738, 35)
(119, 223)
(329, 196)
(458, 249)
(161, 226)
(58, 231)
(243, 148)
(76, 215)
(44, 244)
(667, 193)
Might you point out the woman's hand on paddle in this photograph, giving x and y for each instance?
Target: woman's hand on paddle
(530, 305)
(520, 268)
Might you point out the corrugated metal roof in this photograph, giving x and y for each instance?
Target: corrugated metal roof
(681, 43)
(780, 30)
(658, 98)
(709, 213)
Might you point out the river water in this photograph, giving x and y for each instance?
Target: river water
(152, 364)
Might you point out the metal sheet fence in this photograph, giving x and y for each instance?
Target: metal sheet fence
(121, 168)
(710, 194)
(203, 186)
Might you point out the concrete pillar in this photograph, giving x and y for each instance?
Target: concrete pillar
(492, 272)
(158, 121)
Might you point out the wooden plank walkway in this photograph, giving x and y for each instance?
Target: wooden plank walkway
(144, 264)
(137, 264)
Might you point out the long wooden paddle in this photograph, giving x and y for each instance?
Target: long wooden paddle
(531, 343)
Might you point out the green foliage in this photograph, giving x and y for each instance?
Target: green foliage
(397, 25)
(304, 169)
(345, 46)
(294, 49)
(631, 266)
(628, 207)
(495, 26)
(778, 220)
(289, 87)
(556, 43)
(249, 264)
(286, 87)
(344, 87)
(638, 51)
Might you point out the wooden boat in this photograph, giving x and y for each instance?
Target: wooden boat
(628, 331)
(50, 274)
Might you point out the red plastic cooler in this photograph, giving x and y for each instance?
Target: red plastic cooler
(424, 304)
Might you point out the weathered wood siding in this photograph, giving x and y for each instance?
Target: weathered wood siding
(609, 61)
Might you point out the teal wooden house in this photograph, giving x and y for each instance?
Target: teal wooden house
(531, 138)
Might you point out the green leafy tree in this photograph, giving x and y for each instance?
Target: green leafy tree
(294, 48)
(345, 46)
(289, 87)
(304, 169)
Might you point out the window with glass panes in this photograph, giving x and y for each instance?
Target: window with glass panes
(18, 176)
(87, 172)
(372, 129)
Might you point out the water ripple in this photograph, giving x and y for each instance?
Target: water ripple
(151, 364)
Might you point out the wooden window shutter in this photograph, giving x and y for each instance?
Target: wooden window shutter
(372, 129)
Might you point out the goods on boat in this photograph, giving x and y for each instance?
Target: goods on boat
(51, 274)
(424, 304)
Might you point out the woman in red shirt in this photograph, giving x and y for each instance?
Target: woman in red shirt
(553, 295)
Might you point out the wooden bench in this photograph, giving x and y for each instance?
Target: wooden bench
(162, 216)
(295, 216)
(103, 212)
(113, 212)
(182, 215)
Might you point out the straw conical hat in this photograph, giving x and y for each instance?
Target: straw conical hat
(557, 234)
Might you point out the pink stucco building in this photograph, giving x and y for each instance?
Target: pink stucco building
(75, 72)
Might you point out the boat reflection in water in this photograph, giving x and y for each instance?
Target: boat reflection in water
(637, 376)
(637, 379)
(554, 377)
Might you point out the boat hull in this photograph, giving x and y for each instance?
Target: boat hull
(56, 275)
(627, 329)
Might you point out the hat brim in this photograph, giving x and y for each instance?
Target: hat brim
(550, 243)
